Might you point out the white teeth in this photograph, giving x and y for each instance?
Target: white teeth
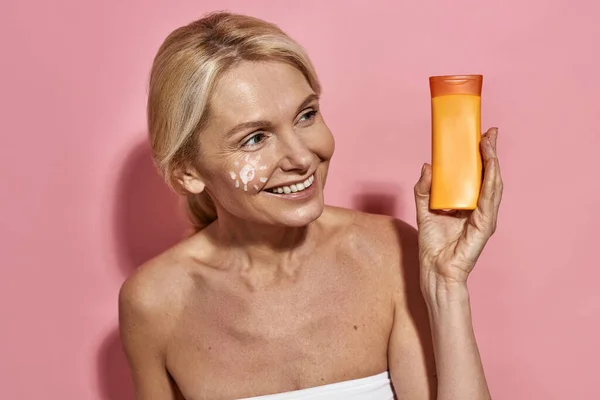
(298, 187)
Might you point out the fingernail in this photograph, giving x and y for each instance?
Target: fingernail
(423, 170)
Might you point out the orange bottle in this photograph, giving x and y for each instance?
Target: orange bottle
(456, 132)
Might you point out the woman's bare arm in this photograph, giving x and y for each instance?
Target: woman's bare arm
(143, 334)
(459, 366)
(433, 354)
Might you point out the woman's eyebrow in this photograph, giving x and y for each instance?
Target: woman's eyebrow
(263, 123)
(248, 125)
(309, 99)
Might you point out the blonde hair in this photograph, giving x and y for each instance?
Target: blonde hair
(184, 73)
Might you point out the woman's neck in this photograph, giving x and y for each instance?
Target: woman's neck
(262, 252)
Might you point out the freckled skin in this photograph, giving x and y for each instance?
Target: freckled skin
(276, 295)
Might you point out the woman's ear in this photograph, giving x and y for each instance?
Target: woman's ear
(189, 180)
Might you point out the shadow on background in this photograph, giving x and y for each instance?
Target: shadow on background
(115, 379)
(378, 198)
(148, 218)
(147, 221)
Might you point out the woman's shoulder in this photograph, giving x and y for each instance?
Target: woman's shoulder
(157, 287)
(375, 229)
(381, 240)
(385, 246)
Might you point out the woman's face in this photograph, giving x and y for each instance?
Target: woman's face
(265, 151)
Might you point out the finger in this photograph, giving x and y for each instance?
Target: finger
(492, 136)
(488, 203)
(499, 181)
(422, 192)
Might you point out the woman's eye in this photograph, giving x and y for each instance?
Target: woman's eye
(307, 116)
(254, 140)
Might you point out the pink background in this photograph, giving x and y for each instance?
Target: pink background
(82, 206)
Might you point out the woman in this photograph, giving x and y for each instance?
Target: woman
(276, 294)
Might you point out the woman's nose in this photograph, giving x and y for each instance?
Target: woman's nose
(296, 155)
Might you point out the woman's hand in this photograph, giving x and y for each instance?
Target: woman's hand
(450, 242)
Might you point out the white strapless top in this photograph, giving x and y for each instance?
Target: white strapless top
(376, 387)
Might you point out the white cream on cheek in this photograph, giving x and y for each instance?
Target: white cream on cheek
(247, 173)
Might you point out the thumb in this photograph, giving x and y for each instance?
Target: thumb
(422, 189)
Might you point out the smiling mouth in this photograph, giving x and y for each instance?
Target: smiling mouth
(295, 188)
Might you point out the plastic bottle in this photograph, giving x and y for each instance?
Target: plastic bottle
(456, 133)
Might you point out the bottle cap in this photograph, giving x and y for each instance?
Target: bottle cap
(455, 84)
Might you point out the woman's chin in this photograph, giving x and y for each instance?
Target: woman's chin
(301, 216)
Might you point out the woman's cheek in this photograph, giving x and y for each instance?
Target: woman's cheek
(247, 172)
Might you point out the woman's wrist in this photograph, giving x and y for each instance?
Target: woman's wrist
(441, 294)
